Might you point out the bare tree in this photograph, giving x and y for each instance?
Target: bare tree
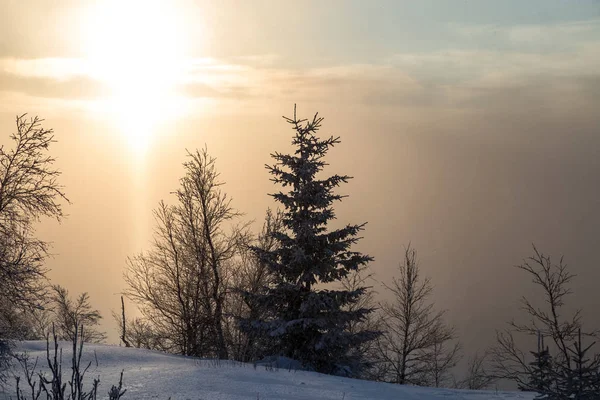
(201, 196)
(139, 333)
(142, 334)
(251, 277)
(51, 383)
(477, 377)
(412, 329)
(182, 282)
(365, 353)
(17, 322)
(508, 360)
(170, 289)
(70, 315)
(439, 362)
(29, 190)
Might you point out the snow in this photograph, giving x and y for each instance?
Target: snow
(154, 375)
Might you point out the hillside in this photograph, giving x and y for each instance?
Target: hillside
(153, 375)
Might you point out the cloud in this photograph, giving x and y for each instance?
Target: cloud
(459, 78)
(54, 68)
(563, 33)
(74, 87)
(60, 78)
(252, 77)
(458, 66)
(531, 36)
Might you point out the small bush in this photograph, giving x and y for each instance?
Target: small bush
(52, 385)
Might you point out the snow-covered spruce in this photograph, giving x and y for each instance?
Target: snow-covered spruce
(307, 319)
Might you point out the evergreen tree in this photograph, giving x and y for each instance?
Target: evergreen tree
(307, 320)
(582, 380)
(541, 377)
(576, 378)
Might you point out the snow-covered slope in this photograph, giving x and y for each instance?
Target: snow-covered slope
(153, 375)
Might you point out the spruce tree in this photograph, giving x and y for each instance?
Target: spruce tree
(307, 318)
(582, 380)
(541, 378)
(576, 378)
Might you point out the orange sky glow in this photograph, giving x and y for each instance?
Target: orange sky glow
(469, 134)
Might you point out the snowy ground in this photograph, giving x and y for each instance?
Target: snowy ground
(153, 375)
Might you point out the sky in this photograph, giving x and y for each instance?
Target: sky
(470, 127)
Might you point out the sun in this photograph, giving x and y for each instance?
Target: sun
(137, 49)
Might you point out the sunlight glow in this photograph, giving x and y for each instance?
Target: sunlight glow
(138, 49)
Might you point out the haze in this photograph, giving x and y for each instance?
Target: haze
(471, 128)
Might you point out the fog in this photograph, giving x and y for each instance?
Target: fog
(471, 157)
